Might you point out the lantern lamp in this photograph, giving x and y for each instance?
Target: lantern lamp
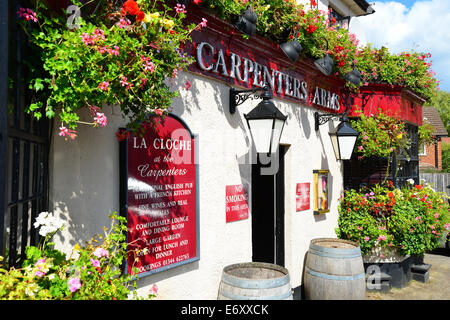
(265, 121)
(343, 137)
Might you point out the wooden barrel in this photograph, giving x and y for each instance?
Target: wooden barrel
(334, 270)
(255, 281)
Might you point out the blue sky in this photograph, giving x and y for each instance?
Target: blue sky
(407, 3)
(406, 25)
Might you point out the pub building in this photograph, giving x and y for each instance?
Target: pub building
(208, 187)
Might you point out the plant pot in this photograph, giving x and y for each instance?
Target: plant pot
(384, 262)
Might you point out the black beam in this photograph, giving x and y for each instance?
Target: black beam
(3, 115)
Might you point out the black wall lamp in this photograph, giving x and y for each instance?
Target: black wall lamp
(265, 121)
(354, 76)
(343, 137)
(325, 64)
(292, 48)
(246, 22)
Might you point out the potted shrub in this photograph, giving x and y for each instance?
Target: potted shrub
(392, 225)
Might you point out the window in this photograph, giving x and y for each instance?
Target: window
(422, 150)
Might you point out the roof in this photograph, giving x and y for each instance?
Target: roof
(364, 5)
(354, 8)
(432, 116)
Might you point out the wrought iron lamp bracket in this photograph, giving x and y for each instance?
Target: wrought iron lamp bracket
(320, 119)
(238, 97)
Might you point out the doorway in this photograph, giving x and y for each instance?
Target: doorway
(268, 211)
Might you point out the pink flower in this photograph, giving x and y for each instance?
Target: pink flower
(95, 263)
(436, 215)
(99, 34)
(101, 252)
(124, 23)
(180, 8)
(203, 23)
(28, 14)
(149, 66)
(365, 137)
(188, 85)
(87, 39)
(74, 284)
(159, 111)
(381, 238)
(114, 51)
(125, 83)
(100, 119)
(418, 218)
(360, 148)
(42, 268)
(366, 239)
(154, 289)
(432, 227)
(103, 85)
(63, 131)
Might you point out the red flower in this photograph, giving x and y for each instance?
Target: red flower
(131, 7)
(313, 3)
(140, 16)
(311, 28)
(121, 134)
(418, 187)
(341, 63)
(197, 2)
(333, 20)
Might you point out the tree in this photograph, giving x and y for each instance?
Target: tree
(442, 103)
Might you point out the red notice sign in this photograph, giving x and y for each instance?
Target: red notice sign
(303, 196)
(162, 196)
(236, 202)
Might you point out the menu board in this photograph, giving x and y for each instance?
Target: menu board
(161, 196)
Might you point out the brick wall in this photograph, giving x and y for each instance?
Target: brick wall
(429, 159)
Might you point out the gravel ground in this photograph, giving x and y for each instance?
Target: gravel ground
(436, 288)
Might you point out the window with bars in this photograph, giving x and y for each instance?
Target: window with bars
(24, 146)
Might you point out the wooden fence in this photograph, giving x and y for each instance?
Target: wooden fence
(440, 181)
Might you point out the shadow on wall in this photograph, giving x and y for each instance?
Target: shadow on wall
(85, 178)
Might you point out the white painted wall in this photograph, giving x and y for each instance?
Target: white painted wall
(85, 184)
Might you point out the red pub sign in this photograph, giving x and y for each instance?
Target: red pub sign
(236, 202)
(161, 195)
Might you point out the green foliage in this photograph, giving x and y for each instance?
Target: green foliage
(445, 157)
(278, 21)
(425, 133)
(411, 70)
(412, 219)
(91, 272)
(442, 103)
(380, 135)
(112, 57)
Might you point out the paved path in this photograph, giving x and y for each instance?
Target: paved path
(436, 288)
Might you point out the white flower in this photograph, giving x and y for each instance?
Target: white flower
(41, 218)
(411, 181)
(48, 223)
